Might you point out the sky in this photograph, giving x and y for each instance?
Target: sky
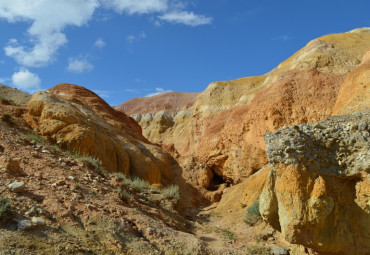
(122, 49)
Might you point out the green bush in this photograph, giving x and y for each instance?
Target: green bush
(171, 192)
(125, 196)
(5, 208)
(140, 185)
(253, 214)
(93, 163)
(33, 137)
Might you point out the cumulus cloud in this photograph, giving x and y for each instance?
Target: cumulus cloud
(79, 65)
(24, 79)
(132, 38)
(48, 19)
(158, 91)
(99, 43)
(186, 18)
(135, 6)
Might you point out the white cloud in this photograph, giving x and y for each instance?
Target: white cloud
(99, 43)
(24, 79)
(48, 19)
(79, 65)
(187, 18)
(132, 38)
(136, 6)
(158, 91)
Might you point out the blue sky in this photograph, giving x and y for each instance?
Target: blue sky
(132, 48)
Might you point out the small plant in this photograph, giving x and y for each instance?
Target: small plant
(226, 233)
(93, 163)
(76, 187)
(119, 176)
(253, 214)
(259, 250)
(139, 185)
(33, 137)
(56, 148)
(171, 192)
(125, 196)
(5, 208)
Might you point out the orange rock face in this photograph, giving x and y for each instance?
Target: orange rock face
(170, 102)
(79, 121)
(354, 94)
(233, 144)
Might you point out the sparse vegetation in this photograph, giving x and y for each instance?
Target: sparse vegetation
(226, 233)
(93, 163)
(33, 137)
(5, 208)
(258, 250)
(171, 192)
(253, 214)
(125, 196)
(56, 148)
(76, 187)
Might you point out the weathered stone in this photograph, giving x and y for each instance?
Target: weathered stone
(280, 251)
(17, 186)
(77, 119)
(10, 165)
(37, 221)
(24, 224)
(321, 200)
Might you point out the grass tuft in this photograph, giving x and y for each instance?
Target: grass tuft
(5, 208)
(253, 214)
(33, 137)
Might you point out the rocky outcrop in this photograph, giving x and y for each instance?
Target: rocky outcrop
(79, 121)
(317, 192)
(14, 96)
(170, 102)
(223, 130)
(354, 94)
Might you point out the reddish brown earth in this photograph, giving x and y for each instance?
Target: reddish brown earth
(171, 102)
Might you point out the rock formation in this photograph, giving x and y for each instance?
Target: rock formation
(78, 120)
(317, 193)
(14, 95)
(223, 130)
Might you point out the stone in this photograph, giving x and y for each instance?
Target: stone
(37, 221)
(24, 224)
(280, 251)
(11, 165)
(17, 186)
(310, 194)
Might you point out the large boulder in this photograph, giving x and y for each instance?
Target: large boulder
(317, 193)
(80, 121)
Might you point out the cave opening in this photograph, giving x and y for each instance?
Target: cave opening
(216, 182)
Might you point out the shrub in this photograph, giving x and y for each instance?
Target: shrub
(119, 176)
(226, 233)
(33, 137)
(253, 214)
(5, 208)
(139, 184)
(171, 192)
(93, 163)
(125, 196)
